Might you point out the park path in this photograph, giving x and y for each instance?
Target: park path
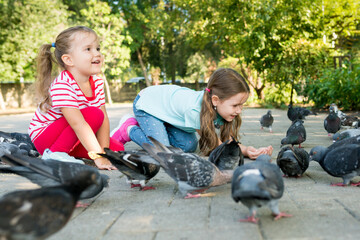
(320, 211)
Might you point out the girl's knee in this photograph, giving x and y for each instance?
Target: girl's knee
(189, 146)
(93, 116)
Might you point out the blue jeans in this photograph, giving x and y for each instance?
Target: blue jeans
(161, 131)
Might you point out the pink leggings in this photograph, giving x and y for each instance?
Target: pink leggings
(60, 137)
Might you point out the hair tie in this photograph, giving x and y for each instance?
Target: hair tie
(53, 45)
(208, 90)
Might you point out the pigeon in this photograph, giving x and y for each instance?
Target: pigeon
(293, 161)
(39, 213)
(298, 113)
(332, 122)
(266, 121)
(18, 142)
(257, 184)
(318, 153)
(138, 166)
(227, 155)
(48, 173)
(191, 172)
(296, 134)
(342, 161)
(345, 134)
(346, 120)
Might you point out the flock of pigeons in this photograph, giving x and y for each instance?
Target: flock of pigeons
(36, 214)
(341, 159)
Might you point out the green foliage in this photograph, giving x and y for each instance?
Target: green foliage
(25, 25)
(110, 28)
(196, 67)
(340, 86)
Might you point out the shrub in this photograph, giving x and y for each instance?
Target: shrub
(340, 86)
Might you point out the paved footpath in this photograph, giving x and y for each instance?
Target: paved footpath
(119, 212)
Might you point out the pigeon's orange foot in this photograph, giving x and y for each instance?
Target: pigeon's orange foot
(81, 204)
(133, 185)
(251, 219)
(281, 215)
(355, 184)
(338, 185)
(189, 195)
(147, 188)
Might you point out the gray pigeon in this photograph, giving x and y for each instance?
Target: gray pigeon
(332, 122)
(346, 120)
(296, 134)
(318, 153)
(39, 213)
(191, 172)
(267, 121)
(138, 166)
(227, 155)
(342, 161)
(257, 184)
(345, 134)
(293, 161)
(15, 142)
(48, 173)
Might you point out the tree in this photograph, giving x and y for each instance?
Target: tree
(110, 28)
(25, 25)
(255, 31)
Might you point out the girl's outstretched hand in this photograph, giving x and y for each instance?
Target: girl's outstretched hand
(253, 153)
(104, 164)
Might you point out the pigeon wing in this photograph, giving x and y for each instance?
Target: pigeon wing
(343, 160)
(190, 168)
(273, 182)
(39, 212)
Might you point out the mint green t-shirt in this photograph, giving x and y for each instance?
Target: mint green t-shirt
(178, 106)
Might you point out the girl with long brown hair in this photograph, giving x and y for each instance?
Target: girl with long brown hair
(173, 114)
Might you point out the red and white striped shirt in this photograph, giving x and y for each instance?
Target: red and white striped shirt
(65, 92)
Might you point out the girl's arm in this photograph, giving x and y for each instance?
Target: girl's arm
(103, 134)
(86, 136)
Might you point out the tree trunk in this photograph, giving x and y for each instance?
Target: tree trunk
(172, 63)
(143, 68)
(259, 92)
(292, 91)
(2, 102)
(107, 89)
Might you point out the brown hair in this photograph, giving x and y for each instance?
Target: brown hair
(224, 83)
(46, 59)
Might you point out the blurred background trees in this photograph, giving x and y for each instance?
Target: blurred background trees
(300, 51)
